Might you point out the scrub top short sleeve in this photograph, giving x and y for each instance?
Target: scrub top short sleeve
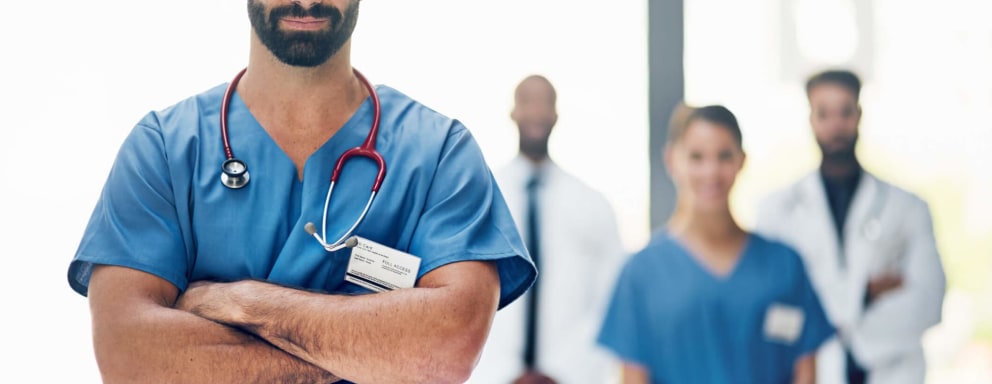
(135, 222)
(465, 218)
(625, 320)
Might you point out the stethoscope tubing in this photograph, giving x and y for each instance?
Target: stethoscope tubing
(367, 149)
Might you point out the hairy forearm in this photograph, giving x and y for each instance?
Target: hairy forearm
(167, 345)
(427, 334)
(138, 338)
(380, 338)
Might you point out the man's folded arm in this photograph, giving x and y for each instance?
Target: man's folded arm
(433, 333)
(140, 338)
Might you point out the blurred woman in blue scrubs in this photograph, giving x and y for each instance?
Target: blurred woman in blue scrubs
(706, 301)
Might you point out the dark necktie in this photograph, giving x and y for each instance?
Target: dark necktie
(533, 246)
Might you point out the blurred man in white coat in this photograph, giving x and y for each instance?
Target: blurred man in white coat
(570, 229)
(868, 245)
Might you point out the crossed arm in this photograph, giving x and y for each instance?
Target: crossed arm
(250, 331)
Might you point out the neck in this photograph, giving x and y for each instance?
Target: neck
(839, 167)
(325, 92)
(535, 154)
(714, 226)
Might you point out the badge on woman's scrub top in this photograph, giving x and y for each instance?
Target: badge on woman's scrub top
(783, 323)
(380, 268)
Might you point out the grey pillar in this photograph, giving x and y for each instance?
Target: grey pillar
(667, 89)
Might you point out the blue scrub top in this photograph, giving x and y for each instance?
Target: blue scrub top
(686, 325)
(164, 210)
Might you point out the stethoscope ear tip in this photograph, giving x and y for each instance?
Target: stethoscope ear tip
(351, 242)
(310, 228)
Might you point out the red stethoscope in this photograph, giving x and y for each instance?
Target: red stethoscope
(234, 172)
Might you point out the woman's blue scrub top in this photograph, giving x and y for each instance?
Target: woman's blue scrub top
(684, 324)
(164, 210)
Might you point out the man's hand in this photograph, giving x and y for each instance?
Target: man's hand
(880, 285)
(212, 301)
(533, 377)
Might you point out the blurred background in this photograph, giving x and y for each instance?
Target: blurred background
(76, 77)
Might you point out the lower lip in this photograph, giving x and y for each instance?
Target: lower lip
(304, 24)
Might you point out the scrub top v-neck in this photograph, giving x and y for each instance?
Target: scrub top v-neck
(707, 270)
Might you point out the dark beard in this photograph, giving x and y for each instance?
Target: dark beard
(842, 154)
(537, 149)
(303, 49)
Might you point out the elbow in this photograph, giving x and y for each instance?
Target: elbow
(110, 360)
(119, 352)
(461, 365)
(454, 361)
(454, 356)
(450, 372)
(111, 378)
(121, 356)
(116, 356)
(460, 330)
(114, 367)
(450, 375)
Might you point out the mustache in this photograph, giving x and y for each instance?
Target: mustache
(317, 11)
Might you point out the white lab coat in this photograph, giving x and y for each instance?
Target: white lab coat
(581, 253)
(887, 229)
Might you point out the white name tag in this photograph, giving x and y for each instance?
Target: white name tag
(783, 323)
(380, 268)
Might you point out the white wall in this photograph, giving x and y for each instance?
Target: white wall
(76, 76)
(927, 125)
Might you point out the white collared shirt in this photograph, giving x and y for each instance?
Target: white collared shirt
(580, 255)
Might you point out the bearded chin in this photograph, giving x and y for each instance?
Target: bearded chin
(303, 49)
(845, 152)
(534, 147)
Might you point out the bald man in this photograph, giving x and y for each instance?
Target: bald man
(570, 229)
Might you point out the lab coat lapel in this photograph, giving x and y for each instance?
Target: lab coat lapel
(840, 289)
(832, 277)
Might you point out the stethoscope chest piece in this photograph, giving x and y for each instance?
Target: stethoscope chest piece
(234, 174)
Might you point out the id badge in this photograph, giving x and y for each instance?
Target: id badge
(783, 323)
(380, 268)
